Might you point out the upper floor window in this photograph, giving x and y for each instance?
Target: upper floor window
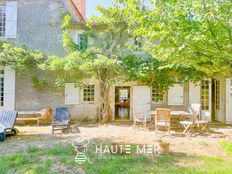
(8, 19)
(1, 87)
(158, 94)
(138, 43)
(88, 93)
(82, 41)
(2, 21)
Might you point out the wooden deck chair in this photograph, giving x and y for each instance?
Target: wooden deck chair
(202, 124)
(7, 122)
(162, 119)
(141, 117)
(61, 119)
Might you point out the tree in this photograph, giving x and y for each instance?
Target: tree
(100, 60)
(192, 36)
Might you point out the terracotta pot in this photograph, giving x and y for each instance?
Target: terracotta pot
(163, 147)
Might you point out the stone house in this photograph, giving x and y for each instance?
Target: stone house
(36, 24)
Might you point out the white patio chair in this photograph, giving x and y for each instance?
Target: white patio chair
(194, 110)
(188, 127)
(141, 117)
(202, 124)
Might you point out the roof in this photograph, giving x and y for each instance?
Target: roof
(78, 13)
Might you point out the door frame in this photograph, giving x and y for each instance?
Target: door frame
(129, 88)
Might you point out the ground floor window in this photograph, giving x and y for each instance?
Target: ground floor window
(205, 95)
(88, 93)
(158, 94)
(1, 87)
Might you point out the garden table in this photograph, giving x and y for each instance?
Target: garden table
(176, 117)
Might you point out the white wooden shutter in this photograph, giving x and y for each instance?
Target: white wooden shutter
(11, 19)
(72, 94)
(194, 93)
(141, 99)
(176, 95)
(228, 114)
(9, 88)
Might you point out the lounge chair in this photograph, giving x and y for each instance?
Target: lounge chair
(7, 122)
(162, 119)
(61, 119)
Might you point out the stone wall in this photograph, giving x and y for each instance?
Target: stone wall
(39, 25)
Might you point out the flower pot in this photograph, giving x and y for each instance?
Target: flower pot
(163, 147)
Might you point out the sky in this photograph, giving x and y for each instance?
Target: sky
(92, 4)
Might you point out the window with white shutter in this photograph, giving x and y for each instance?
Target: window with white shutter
(11, 19)
(72, 94)
(176, 95)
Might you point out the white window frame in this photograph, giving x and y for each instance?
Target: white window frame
(94, 93)
(3, 21)
(205, 98)
(152, 96)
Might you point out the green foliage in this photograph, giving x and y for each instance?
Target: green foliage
(20, 57)
(38, 83)
(67, 27)
(191, 36)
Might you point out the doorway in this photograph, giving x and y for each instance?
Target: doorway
(122, 103)
(216, 100)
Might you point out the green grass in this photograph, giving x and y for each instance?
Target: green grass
(60, 159)
(227, 147)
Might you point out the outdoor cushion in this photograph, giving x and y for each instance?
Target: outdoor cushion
(7, 119)
(62, 115)
(162, 123)
(186, 122)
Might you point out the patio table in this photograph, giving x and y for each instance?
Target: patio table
(176, 117)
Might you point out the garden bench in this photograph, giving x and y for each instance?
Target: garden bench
(45, 115)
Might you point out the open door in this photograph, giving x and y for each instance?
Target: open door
(216, 98)
(206, 97)
(122, 103)
(141, 99)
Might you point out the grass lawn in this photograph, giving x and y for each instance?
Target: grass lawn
(60, 159)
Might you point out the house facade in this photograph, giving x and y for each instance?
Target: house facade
(36, 24)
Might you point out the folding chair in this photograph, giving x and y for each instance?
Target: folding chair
(202, 124)
(188, 127)
(141, 117)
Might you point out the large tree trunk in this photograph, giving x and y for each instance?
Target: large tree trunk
(104, 112)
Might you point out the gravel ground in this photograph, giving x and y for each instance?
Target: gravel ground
(203, 144)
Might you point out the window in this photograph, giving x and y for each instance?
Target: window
(123, 94)
(1, 87)
(88, 93)
(205, 95)
(158, 94)
(2, 21)
(137, 42)
(82, 41)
